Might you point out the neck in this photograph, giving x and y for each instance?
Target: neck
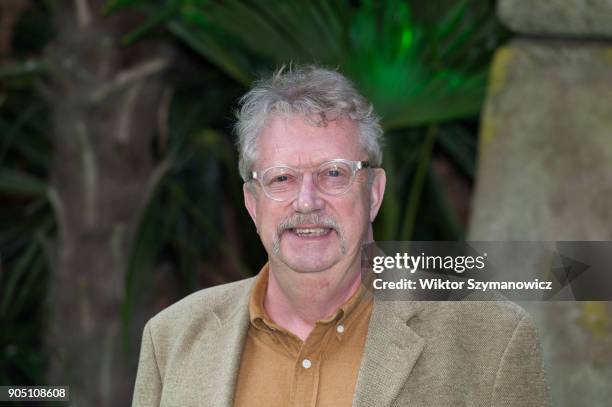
(296, 301)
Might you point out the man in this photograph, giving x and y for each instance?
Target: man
(305, 332)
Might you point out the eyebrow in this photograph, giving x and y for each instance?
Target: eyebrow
(313, 166)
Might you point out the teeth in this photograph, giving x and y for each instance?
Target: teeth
(310, 231)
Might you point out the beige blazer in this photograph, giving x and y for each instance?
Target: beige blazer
(416, 353)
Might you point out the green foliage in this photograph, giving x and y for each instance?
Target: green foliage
(422, 64)
(25, 223)
(17, 183)
(26, 218)
(22, 289)
(194, 221)
(24, 226)
(415, 72)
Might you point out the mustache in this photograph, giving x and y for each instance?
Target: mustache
(301, 219)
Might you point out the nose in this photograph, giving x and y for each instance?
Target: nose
(309, 197)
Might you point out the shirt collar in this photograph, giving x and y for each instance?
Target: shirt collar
(261, 320)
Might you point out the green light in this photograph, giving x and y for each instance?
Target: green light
(407, 38)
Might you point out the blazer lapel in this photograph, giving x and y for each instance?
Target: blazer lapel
(391, 350)
(218, 355)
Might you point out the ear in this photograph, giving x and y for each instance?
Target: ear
(250, 201)
(377, 192)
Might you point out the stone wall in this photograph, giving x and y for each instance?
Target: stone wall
(545, 169)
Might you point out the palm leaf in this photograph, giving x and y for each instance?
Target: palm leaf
(14, 182)
(377, 44)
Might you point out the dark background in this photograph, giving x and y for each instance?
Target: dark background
(119, 189)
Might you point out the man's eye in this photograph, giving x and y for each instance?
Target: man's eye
(333, 173)
(281, 178)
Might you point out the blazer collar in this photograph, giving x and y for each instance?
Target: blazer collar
(391, 351)
(219, 351)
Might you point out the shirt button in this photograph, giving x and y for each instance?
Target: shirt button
(340, 329)
(306, 363)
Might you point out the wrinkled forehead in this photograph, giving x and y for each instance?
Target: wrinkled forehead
(303, 141)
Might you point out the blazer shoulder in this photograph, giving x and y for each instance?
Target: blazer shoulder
(202, 308)
(170, 337)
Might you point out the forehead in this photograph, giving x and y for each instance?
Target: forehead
(298, 141)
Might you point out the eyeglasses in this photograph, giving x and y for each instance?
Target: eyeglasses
(282, 182)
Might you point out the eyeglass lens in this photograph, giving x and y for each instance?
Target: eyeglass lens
(283, 182)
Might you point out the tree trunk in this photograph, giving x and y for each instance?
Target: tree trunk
(105, 99)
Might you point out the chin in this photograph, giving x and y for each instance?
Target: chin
(311, 265)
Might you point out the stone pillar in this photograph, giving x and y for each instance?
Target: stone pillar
(545, 169)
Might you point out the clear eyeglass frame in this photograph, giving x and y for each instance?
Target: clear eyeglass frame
(341, 187)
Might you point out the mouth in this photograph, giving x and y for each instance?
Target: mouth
(311, 232)
(319, 234)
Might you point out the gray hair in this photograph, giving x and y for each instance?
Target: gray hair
(315, 92)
